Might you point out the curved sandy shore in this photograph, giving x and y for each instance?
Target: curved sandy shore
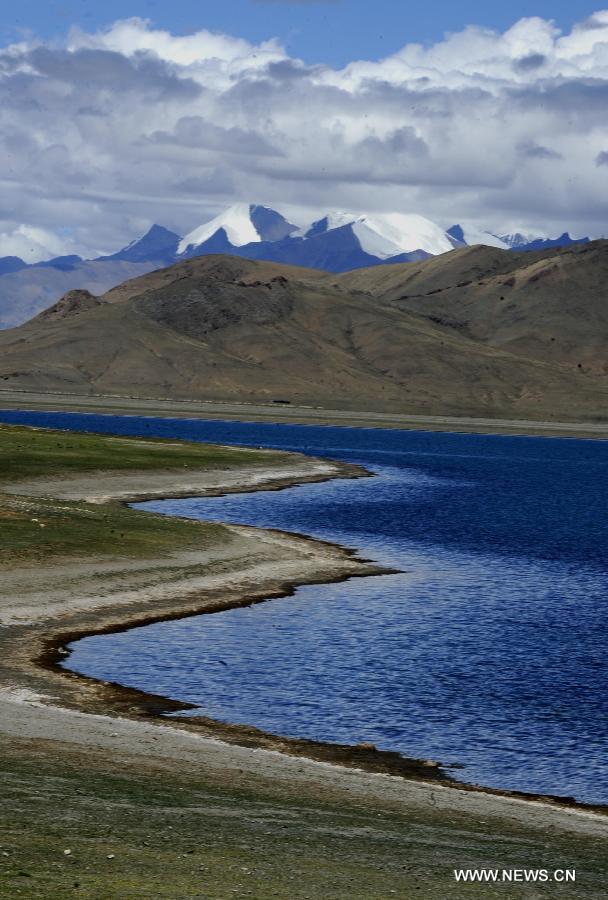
(134, 486)
(42, 607)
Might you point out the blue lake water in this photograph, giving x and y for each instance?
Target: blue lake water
(489, 651)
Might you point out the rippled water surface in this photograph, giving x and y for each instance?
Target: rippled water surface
(489, 651)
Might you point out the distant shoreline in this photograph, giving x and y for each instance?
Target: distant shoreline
(287, 413)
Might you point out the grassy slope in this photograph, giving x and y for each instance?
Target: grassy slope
(172, 831)
(33, 529)
(175, 834)
(28, 452)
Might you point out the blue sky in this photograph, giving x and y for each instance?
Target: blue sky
(118, 114)
(328, 31)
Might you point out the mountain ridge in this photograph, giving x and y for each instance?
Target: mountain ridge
(158, 244)
(480, 331)
(337, 242)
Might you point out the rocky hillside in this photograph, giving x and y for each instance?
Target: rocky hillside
(475, 331)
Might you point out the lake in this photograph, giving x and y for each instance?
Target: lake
(489, 651)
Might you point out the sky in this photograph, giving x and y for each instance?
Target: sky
(117, 115)
(318, 31)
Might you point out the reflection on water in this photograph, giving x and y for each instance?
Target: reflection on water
(488, 651)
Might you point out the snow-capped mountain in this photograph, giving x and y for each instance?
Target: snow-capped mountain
(516, 239)
(238, 226)
(336, 242)
(531, 242)
(385, 235)
(468, 236)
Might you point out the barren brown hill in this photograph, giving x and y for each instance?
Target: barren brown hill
(550, 306)
(474, 332)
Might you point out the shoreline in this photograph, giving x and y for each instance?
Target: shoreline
(45, 651)
(37, 401)
(145, 794)
(365, 757)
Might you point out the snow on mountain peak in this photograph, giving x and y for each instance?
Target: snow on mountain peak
(329, 222)
(385, 234)
(390, 234)
(517, 239)
(470, 236)
(242, 223)
(236, 222)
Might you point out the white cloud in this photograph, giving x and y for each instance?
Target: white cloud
(31, 244)
(132, 124)
(201, 52)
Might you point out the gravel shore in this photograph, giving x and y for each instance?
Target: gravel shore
(79, 721)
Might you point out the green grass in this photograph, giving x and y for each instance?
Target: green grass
(181, 834)
(33, 529)
(30, 453)
(173, 830)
